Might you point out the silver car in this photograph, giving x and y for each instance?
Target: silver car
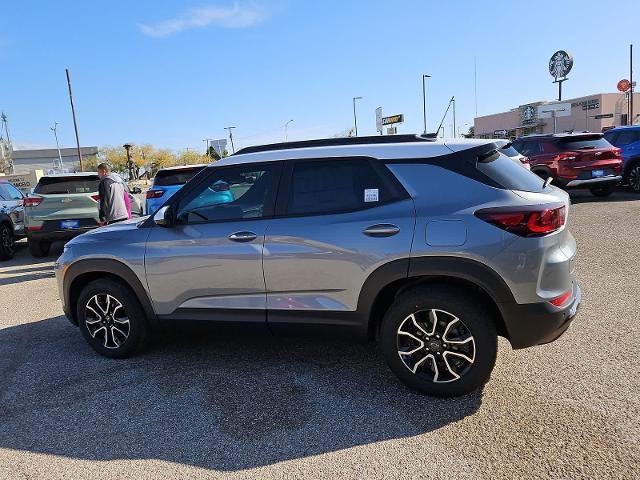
(431, 248)
(11, 218)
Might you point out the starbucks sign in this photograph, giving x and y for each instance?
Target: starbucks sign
(528, 114)
(560, 64)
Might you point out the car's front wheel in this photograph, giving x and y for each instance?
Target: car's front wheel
(7, 242)
(439, 340)
(111, 318)
(634, 177)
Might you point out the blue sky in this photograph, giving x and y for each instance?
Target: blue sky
(173, 73)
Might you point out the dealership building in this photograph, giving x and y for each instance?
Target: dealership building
(594, 113)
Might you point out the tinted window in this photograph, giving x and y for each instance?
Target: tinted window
(230, 193)
(9, 192)
(507, 173)
(528, 148)
(581, 143)
(335, 185)
(64, 185)
(624, 137)
(165, 178)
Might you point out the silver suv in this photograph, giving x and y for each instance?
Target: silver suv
(432, 248)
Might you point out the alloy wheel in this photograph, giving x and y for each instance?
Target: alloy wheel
(634, 178)
(436, 344)
(107, 320)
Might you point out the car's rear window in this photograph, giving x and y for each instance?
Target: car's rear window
(66, 185)
(508, 174)
(581, 143)
(165, 178)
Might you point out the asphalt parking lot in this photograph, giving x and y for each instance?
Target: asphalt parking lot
(205, 406)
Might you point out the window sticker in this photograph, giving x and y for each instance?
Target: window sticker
(370, 194)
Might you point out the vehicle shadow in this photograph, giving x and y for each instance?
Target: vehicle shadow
(620, 195)
(214, 401)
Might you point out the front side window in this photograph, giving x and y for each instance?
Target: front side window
(10, 192)
(230, 193)
(327, 186)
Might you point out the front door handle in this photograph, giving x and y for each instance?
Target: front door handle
(381, 230)
(242, 236)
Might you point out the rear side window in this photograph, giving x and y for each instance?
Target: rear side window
(509, 151)
(166, 178)
(528, 148)
(66, 185)
(507, 173)
(620, 139)
(328, 186)
(582, 143)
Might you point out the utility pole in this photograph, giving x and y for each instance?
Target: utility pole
(453, 99)
(233, 148)
(424, 101)
(54, 129)
(631, 80)
(75, 124)
(208, 152)
(355, 118)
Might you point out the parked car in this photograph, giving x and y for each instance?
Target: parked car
(574, 160)
(627, 139)
(432, 248)
(63, 206)
(506, 148)
(11, 218)
(167, 182)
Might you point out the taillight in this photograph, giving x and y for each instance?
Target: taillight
(565, 156)
(526, 221)
(32, 201)
(617, 152)
(561, 300)
(155, 193)
(96, 197)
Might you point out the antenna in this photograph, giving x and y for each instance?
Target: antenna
(445, 113)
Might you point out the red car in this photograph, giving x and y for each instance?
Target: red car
(574, 160)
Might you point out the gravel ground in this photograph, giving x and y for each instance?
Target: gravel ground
(208, 406)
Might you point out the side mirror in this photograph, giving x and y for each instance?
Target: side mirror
(164, 217)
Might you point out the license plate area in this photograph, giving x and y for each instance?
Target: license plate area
(597, 173)
(69, 224)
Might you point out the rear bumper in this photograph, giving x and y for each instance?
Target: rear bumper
(58, 234)
(593, 182)
(537, 323)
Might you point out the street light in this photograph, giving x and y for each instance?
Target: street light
(355, 118)
(54, 129)
(286, 136)
(424, 100)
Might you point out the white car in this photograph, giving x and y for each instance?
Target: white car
(507, 148)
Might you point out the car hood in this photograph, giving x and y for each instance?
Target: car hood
(114, 231)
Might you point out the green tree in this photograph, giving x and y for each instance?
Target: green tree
(114, 156)
(191, 157)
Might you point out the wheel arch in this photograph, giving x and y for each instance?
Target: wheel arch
(82, 272)
(386, 283)
(632, 162)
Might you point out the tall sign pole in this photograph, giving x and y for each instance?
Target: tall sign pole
(631, 81)
(560, 65)
(75, 124)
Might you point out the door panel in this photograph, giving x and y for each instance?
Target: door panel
(321, 262)
(199, 267)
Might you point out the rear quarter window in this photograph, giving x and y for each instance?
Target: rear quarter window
(508, 174)
(67, 185)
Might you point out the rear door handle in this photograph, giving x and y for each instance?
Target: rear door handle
(242, 236)
(381, 230)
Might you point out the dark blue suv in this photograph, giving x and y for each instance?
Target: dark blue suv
(628, 140)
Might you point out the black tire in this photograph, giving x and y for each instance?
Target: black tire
(604, 191)
(107, 333)
(450, 303)
(633, 177)
(39, 248)
(7, 242)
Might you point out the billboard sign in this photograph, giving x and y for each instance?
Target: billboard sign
(393, 119)
(379, 119)
(554, 110)
(560, 64)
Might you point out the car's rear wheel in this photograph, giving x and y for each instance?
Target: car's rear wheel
(634, 178)
(39, 248)
(111, 319)
(604, 191)
(7, 242)
(439, 341)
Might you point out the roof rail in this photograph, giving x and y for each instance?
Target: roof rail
(334, 142)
